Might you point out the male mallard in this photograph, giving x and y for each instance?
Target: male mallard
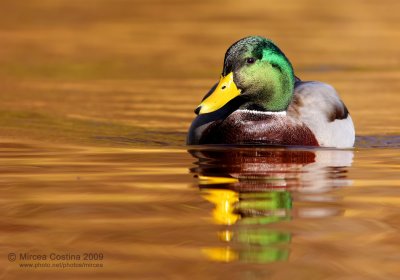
(260, 101)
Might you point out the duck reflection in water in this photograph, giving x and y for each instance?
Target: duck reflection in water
(252, 188)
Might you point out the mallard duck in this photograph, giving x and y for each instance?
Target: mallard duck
(259, 100)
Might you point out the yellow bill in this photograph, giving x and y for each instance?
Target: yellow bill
(223, 93)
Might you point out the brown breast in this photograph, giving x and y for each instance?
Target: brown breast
(245, 127)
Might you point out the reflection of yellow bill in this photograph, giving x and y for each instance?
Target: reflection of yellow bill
(225, 91)
(209, 180)
(224, 201)
(220, 254)
(225, 235)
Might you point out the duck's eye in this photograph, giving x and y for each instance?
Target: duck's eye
(276, 66)
(250, 60)
(223, 87)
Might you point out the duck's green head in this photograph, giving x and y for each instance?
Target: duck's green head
(258, 73)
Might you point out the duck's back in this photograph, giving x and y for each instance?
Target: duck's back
(319, 107)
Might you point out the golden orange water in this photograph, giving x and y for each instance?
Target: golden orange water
(95, 101)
